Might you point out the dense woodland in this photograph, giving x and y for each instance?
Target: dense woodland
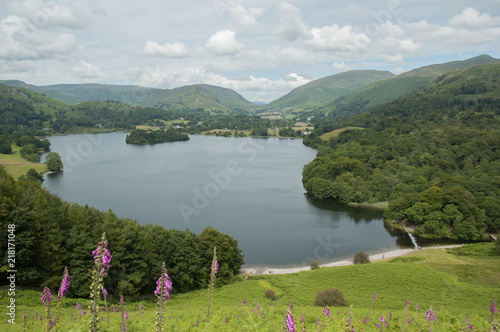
(433, 155)
(51, 234)
(140, 136)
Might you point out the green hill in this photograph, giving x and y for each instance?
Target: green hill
(385, 91)
(188, 97)
(325, 90)
(433, 155)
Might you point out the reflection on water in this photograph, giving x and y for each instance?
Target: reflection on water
(357, 214)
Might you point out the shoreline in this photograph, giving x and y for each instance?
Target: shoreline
(268, 270)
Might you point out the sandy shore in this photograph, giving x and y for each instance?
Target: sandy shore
(384, 255)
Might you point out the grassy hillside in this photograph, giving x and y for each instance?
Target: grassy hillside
(16, 165)
(325, 90)
(433, 155)
(458, 284)
(388, 90)
(195, 96)
(208, 97)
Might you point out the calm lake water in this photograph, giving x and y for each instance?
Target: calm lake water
(248, 188)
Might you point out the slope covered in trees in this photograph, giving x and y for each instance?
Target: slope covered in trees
(388, 90)
(434, 156)
(325, 90)
(51, 234)
(204, 96)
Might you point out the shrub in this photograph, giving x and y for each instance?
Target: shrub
(361, 258)
(270, 294)
(314, 265)
(330, 297)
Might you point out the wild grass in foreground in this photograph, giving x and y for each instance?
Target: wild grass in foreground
(410, 293)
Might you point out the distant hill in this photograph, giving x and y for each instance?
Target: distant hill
(203, 96)
(327, 89)
(385, 91)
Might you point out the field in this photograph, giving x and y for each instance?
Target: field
(17, 165)
(457, 284)
(336, 132)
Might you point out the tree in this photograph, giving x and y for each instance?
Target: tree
(5, 147)
(32, 176)
(53, 162)
(229, 255)
(30, 153)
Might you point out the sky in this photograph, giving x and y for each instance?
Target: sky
(262, 49)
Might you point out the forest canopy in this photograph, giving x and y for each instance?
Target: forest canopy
(434, 156)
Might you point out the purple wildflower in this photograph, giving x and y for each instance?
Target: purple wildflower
(140, 307)
(104, 291)
(215, 266)
(303, 319)
(410, 321)
(84, 312)
(122, 302)
(163, 284)
(63, 288)
(326, 311)
(46, 295)
(374, 296)
(430, 315)
(365, 320)
(407, 303)
(289, 321)
(102, 256)
(378, 325)
(78, 306)
(291, 305)
(493, 307)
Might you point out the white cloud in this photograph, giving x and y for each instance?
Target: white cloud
(245, 19)
(449, 35)
(22, 41)
(251, 87)
(49, 14)
(471, 18)
(223, 43)
(291, 26)
(335, 39)
(175, 50)
(86, 70)
(340, 66)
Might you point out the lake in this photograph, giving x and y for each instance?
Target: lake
(249, 188)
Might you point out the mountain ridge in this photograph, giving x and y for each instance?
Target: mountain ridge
(204, 96)
(326, 89)
(388, 90)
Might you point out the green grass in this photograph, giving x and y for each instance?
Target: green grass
(17, 165)
(429, 278)
(337, 132)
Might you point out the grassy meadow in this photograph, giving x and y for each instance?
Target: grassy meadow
(17, 165)
(458, 284)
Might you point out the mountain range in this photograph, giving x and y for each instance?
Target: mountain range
(337, 95)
